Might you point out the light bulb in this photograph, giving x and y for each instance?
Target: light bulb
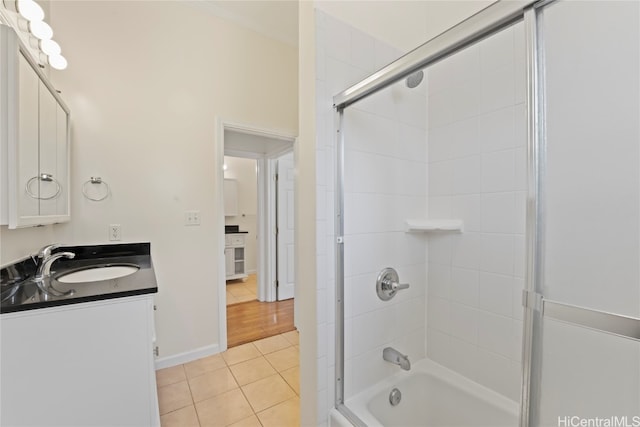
(30, 10)
(224, 166)
(50, 47)
(41, 30)
(58, 62)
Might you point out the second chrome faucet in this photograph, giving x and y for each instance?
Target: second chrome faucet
(394, 356)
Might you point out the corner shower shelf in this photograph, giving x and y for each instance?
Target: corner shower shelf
(429, 225)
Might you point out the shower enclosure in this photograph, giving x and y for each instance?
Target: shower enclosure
(496, 171)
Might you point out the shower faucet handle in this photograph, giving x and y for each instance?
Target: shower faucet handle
(388, 284)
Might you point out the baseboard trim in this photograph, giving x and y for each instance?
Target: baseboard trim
(188, 356)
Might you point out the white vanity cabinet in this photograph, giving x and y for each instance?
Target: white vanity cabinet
(34, 141)
(234, 256)
(85, 364)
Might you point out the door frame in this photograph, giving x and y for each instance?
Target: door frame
(267, 242)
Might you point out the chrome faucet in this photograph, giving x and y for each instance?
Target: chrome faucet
(394, 356)
(42, 278)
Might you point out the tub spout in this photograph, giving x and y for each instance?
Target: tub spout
(394, 356)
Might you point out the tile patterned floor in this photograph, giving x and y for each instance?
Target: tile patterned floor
(255, 384)
(242, 291)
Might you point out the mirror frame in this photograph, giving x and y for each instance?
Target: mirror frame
(15, 220)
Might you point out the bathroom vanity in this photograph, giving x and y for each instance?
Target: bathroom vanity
(85, 359)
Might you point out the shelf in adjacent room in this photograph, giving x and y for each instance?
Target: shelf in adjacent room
(430, 225)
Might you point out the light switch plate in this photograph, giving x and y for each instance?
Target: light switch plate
(192, 218)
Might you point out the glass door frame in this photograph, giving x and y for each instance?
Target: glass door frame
(537, 307)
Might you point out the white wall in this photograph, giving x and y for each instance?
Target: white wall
(17, 244)
(477, 172)
(145, 83)
(244, 172)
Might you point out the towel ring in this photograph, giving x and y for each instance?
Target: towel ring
(96, 180)
(46, 177)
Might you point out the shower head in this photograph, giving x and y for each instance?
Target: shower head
(415, 79)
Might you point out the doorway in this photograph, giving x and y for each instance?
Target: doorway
(257, 291)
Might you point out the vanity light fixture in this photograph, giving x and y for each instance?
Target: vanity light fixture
(57, 61)
(29, 10)
(29, 19)
(40, 30)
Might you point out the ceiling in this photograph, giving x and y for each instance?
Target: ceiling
(277, 19)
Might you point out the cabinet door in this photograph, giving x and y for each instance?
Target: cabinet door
(229, 262)
(27, 145)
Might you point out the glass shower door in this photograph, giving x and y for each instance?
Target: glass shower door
(586, 358)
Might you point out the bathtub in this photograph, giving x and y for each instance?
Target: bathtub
(432, 395)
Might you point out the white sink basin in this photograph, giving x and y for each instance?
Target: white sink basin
(96, 274)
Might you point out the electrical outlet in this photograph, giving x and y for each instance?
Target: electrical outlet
(192, 218)
(115, 232)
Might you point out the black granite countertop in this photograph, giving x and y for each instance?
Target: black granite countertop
(19, 292)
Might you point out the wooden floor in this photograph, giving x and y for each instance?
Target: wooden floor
(254, 320)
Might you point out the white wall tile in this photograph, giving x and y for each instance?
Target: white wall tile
(440, 207)
(497, 253)
(518, 308)
(499, 213)
(464, 323)
(411, 143)
(363, 53)
(496, 293)
(373, 329)
(465, 286)
(495, 333)
(409, 316)
(520, 159)
(364, 131)
(516, 347)
(321, 232)
(338, 38)
(322, 339)
(497, 130)
(411, 177)
(498, 171)
(499, 373)
(519, 256)
(438, 346)
(466, 175)
(466, 250)
(439, 280)
(464, 139)
(521, 213)
(497, 51)
(411, 106)
(340, 76)
(385, 54)
(463, 357)
(497, 89)
(440, 109)
(438, 313)
(321, 305)
(440, 177)
(465, 100)
(440, 147)
(440, 248)
(468, 209)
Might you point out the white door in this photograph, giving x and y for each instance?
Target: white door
(285, 238)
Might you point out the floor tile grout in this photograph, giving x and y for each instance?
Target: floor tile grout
(239, 387)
